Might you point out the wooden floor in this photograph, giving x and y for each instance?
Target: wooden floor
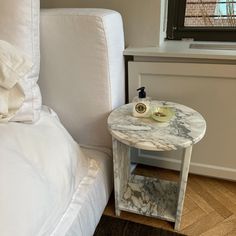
(209, 208)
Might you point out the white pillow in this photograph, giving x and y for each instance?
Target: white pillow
(14, 65)
(19, 25)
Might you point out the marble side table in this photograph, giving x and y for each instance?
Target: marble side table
(144, 195)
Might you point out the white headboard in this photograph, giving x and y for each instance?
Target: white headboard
(82, 69)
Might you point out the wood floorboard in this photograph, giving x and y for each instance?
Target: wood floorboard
(199, 201)
(232, 233)
(221, 188)
(220, 196)
(223, 228)
(209, 207)
(231, 186)
(191, 217)
(185, 211)
(209, 198)
(203, 224)
(189, 205)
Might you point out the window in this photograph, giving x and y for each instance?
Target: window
(213, 20)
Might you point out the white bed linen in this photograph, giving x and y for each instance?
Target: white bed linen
(40, 168)
(90, 198)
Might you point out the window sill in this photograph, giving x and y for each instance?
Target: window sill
(180, 49)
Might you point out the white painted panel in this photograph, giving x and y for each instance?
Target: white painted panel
(207, 88)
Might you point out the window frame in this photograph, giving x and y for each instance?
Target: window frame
(177, 31)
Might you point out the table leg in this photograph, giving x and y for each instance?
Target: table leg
(121, 167)
(182, 186)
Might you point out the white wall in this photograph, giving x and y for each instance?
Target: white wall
(141, 17)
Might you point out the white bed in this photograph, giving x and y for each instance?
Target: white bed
(46, 177)
(49, 185)
(90, 197)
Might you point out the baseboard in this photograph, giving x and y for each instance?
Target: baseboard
(195, 168)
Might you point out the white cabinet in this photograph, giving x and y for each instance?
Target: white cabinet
(209, 88)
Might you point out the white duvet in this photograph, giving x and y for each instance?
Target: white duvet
(40, 168)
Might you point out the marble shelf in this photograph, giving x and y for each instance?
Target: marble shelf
(151, 197)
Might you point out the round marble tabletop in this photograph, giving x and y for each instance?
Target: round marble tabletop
(185, 128)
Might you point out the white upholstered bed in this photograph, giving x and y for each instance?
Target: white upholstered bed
(50, 185)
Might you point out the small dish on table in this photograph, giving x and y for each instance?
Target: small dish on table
(162, 114)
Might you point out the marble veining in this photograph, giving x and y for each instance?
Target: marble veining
(144, 195)
(186, 128)
(151, 197)
(121, 169)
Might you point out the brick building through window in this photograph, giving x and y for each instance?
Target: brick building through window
(210, 13)
(207, 20)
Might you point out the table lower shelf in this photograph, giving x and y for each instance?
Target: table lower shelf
(151, 197)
